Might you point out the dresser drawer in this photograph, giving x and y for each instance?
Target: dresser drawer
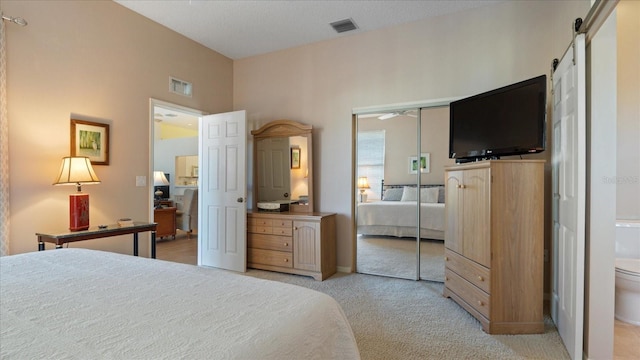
(471, 271)
(259, 229)
(472, 295)
(259, 222)
(282, 223)
(282, 231)
(270, 257)
(269, 242)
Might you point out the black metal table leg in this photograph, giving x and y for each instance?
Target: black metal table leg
(153, 244)
(135, 244)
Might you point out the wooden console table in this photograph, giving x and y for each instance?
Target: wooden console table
(94, 232)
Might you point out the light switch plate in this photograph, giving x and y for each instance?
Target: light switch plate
(141, 180)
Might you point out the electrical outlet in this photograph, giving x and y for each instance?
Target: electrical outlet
(141, 180)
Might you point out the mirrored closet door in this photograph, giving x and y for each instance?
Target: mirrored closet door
(400, 160)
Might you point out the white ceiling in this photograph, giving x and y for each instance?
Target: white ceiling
(243, 28)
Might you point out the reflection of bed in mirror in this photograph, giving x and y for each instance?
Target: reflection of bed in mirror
(396, 214)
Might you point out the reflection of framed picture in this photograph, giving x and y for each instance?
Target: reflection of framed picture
(424, 163)
(90, 139)
(295, 158)
(194, 171)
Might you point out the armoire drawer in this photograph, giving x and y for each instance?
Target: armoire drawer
(471, 271)
(269, 242)
(471, 294)
(270, 257)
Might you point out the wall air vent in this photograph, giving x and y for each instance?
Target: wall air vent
(345, 25)
(180, 87)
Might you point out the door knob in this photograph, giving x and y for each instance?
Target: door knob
(240, 200)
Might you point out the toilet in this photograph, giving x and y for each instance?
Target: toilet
(628, 271)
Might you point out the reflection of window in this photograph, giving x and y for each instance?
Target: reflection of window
(371, 160)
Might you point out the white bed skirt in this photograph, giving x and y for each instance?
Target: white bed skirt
(400, 231)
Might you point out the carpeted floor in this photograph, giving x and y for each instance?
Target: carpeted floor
(392, 256)
(405, 319)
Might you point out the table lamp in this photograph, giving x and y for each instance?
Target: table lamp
(159, 179)
(363, 184)
(77, 170)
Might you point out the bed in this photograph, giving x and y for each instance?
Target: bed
(88, 304)
(396, 214)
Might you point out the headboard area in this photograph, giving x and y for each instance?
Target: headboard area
(396, 190)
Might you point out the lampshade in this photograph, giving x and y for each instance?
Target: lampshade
(363, 182)
(76, 170)
(159, 179)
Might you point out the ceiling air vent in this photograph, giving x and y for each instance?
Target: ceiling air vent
(180, 87)
(345, 25)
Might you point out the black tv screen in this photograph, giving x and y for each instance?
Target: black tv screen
(505, 121)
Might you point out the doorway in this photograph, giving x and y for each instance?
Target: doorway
(174, 145)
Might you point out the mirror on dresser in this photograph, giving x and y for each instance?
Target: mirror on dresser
(283, 167)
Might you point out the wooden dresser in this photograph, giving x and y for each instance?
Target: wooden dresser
(494, 240)
(295, 243)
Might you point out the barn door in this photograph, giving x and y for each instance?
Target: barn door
(568, 178)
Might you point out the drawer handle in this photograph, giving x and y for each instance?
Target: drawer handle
(446, 278)
(480, 278)
(446, 258)
(480, 303)
(286, 244)
(462, 186)
(286, 260)
(295, 228)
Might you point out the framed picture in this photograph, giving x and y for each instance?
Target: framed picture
(295, 158)
(424, 163)
(90, 139)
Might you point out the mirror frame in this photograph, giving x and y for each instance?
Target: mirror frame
(285, 128)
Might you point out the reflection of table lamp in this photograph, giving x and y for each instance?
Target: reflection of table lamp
(77, 171)
(363, 185)
(159, 180)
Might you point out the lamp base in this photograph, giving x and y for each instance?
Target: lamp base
(78, 212)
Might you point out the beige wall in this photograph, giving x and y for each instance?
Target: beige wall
(93, 60)
(628, 134)
(448, 56)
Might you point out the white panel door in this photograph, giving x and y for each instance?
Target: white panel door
(568, 178)
(222, 211)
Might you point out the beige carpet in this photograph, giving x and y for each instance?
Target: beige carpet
(405, 319)
(392, 256)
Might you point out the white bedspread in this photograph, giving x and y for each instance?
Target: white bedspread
(401, 213)
(86, 304)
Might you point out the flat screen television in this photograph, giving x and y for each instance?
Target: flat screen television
(510, 120)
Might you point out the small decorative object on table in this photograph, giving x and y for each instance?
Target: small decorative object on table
(125, 222)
